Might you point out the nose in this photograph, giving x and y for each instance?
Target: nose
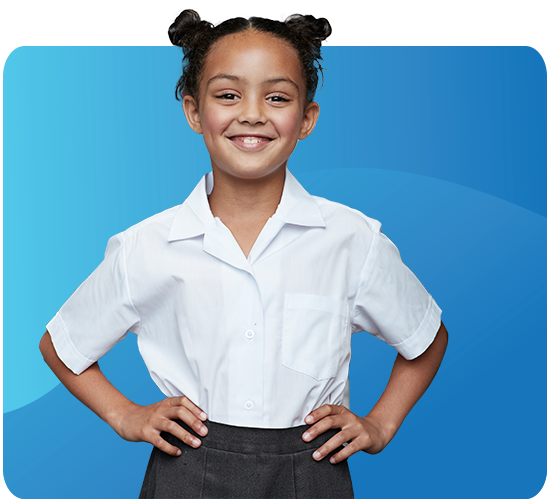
(252, 111)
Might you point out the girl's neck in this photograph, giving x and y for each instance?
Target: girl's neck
(236, 200)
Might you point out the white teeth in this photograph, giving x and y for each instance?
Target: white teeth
(249, 140)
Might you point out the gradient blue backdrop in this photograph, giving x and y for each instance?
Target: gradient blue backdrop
(445, 146)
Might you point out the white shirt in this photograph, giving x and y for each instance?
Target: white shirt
(258, 341)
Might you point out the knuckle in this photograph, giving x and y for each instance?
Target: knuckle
(331, 420)
(343, 437)
(141, 435)
(358, 425)
(145, 432)
(159, 442)
(187, 439)
(366, 441)
(351, 448)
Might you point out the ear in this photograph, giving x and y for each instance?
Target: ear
(191, 110)
(311, 113)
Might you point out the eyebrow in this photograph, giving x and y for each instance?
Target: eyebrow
(277, 80)
(224, 76)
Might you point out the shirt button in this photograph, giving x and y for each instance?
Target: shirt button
(250, 334)
(248, 405)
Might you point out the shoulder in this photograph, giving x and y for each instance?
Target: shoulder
(152, 229)
(337, 215)
(349, 228)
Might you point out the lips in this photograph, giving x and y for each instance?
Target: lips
(250, 142)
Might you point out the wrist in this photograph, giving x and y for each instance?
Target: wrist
(386, 427)
(117, 416)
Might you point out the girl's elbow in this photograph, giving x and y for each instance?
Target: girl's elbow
(444, 334)
(45, 344)
(439, 344)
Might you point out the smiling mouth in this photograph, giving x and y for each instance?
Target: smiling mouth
(250, 141)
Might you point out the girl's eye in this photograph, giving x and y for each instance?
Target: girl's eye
(277, 98)
(226, 96)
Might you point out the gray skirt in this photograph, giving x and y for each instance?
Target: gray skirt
(239, 462)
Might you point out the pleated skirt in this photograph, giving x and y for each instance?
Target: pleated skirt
(239, 462)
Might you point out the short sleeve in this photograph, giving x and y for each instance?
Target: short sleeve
(98, 314)
(392, 304)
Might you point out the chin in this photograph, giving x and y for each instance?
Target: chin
(252, 172)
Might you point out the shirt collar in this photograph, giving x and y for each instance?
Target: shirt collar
(297, 207)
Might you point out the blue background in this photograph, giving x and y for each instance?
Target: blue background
(445, 146)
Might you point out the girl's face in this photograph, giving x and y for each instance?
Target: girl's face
(252, 105)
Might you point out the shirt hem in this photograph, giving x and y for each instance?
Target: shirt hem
(65, 348)
(424, 335)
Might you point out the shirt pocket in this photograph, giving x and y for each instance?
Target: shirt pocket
(314, 334)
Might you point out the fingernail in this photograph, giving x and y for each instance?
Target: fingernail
(203, 415)
(196, 442)
(316, 455)
(306, 436)
(309, 419)
(203, 431)
(178, 453)
(332, 460)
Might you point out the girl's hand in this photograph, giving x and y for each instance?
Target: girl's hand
(361, 433)
(145, 423)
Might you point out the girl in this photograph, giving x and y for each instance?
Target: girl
(244, 298)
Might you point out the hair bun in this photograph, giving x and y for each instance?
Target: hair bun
(318, 29)
(185, 29)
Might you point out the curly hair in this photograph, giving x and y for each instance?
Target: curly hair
(196, 37)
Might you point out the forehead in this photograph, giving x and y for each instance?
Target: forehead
(252, 54)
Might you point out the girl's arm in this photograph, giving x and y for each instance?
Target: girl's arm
(131, 421)
(408, 381)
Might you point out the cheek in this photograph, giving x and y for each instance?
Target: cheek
(214, 121)
(290, 124)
